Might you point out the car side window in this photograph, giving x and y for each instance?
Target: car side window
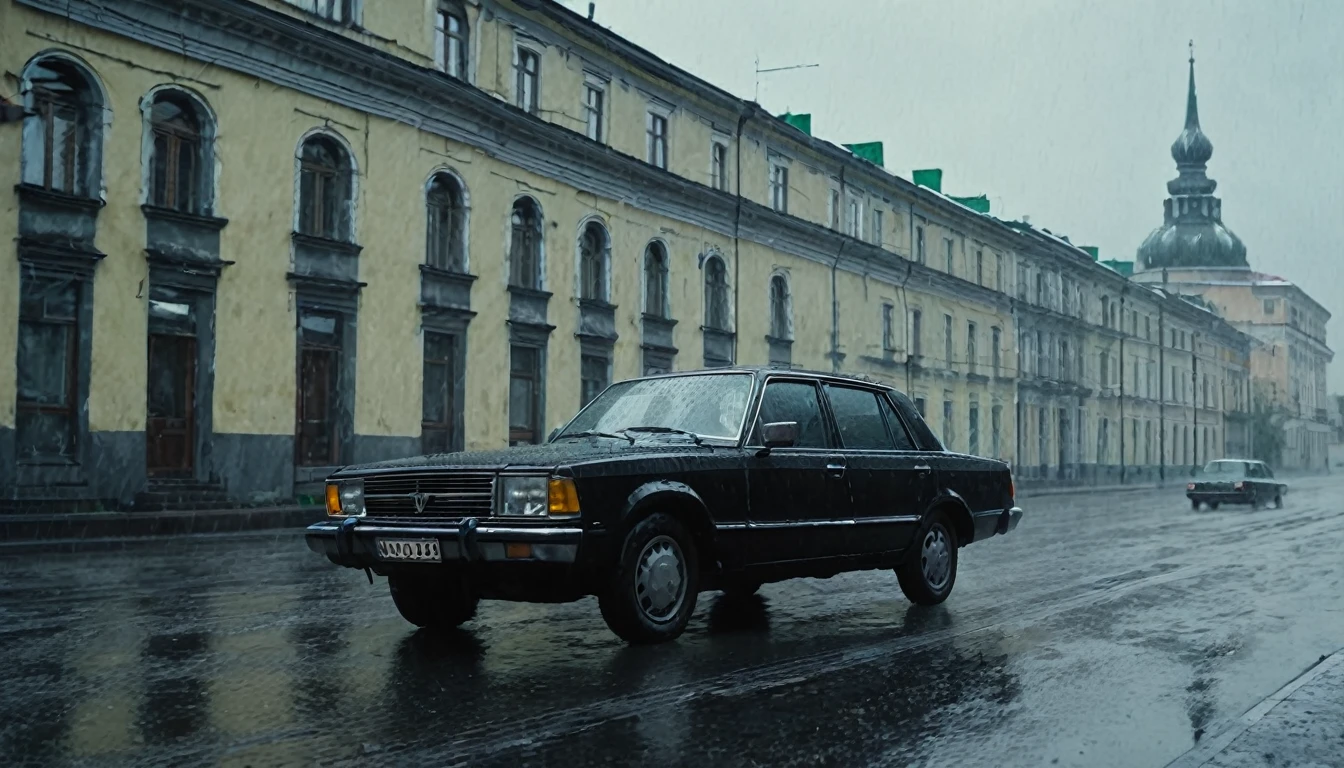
(898, 432)
(1266, 471)
(859, 419)
(793, 401)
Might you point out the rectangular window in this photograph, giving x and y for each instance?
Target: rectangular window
(594, 376)
(594, 109)
(526, 91)
(947, 248)
(450, 40)
(1148, 327)
(914, 343)
(439, 387)
(996, 430)
(341, 11)
(318, 439)
(854, 221)
(779, 187)
(947, 341)
(971, 353)
(877, 228)
(947, 424)
(998, 272)
(996, 356)
(979, 267)
(973, 434)
(1042, 355)
(655, 128)
(920, 257)
(47, 369)
(920, 406)
(718, 165)
(888, 329)
(833, 208)
(1104, 361)
(1040, 289)
(525, 389)
(1269, 306)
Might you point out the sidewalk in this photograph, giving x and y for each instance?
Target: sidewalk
(1301, 725)
(78, 530)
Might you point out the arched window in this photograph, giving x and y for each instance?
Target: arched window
(716, 294)
(594, 247)
(780, 309)
(655, 280)
(180, 165)
(445, 240)
(525, 244)
(325, 189)
(62, 136)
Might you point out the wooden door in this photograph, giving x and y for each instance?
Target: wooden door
(171, 430)
(316, 439)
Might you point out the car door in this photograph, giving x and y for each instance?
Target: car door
(793, 491)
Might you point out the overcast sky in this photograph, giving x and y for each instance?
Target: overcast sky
(1061, 110)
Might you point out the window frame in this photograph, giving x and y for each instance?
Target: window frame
(537, 378)
(176, 138)
(450, 427)
(535, 253)
(888, 327)
(456, 67)
(828, 387)
(657, 145)
(524, 98)
(717, 295)
(448, 251)
(335, 182)
(781, 307)
(779, 184)
(753, 437)
(656, 248)
(718, 162)
(595, 116)
(877, 226)
(71, 366)
(594, 268)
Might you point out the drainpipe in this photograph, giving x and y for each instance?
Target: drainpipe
(835, 296)
(1162, 392)
(737, 226)
(1123, 292)
(1194, 389)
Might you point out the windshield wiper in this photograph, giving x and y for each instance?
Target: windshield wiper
(595, 433)
(666, 431)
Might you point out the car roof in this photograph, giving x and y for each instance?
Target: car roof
(760, 370)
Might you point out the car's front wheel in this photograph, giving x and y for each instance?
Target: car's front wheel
(434, 603)
(928, 573)
(651, 595)
(1278, 501)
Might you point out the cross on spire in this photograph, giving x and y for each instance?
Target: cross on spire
(1192, 51)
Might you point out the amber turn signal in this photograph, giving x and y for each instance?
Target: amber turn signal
(333, 499)
(562, 498)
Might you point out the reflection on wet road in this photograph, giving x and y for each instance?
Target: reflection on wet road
(1104, 631)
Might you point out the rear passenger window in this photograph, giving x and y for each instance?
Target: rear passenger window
(793, 401)
(859, 419)
(903, 441)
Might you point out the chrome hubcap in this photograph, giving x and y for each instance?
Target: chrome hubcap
(660, 579)
(936, 558)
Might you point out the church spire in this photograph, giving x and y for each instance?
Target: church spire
(1192, 149)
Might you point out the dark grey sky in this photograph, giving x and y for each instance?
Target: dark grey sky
(1061, 110)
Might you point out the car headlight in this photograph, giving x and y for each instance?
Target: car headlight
(523, 496)
(345, 498)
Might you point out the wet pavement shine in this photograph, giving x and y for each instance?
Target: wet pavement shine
(1107, 630)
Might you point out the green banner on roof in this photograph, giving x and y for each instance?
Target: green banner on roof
(1125, 268)
(930, 177)
(870, 151)
(979, 203)
(801, 122)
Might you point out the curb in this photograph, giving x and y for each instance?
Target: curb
(1210, 748)
(1028, 493)
(90, 526)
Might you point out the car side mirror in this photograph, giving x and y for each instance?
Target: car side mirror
(779, 434)
(551, 437)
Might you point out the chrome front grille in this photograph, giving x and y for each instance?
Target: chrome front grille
(444, 495)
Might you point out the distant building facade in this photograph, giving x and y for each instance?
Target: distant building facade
(258, 240)
(1194, 254)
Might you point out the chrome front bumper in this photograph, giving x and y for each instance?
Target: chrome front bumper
(351, 541)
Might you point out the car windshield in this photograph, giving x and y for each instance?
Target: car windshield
(707, 405)
(1226, 469)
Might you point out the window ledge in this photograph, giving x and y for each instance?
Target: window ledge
(34, 193)
(717, 331)
(202, 220)
(448, 274)
(534, 292)
(597, 304)
(318, 241)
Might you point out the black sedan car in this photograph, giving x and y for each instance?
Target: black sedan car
(1235, 481)
(665, 486)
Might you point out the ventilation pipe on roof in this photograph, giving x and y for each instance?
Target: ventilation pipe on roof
(592, 9)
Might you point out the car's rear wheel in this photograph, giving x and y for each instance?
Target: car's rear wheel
(930, 570)
(1213, 505)
(1278, 501)
(652, 593)
(1194, 504)
(435, 603)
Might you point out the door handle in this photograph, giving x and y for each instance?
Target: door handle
(836, 465)
(922, 469)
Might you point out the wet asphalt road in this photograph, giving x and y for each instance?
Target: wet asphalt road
(1105, 631)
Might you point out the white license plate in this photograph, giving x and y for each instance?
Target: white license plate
(410, 550)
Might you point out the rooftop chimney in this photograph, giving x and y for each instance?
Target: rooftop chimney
(592, 9)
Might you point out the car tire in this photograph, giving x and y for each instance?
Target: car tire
(652, 592)
(1278, 501)
(930, 569)
(1213, 505)
(441, 603)
(1194, 504)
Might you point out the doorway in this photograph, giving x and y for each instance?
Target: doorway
(170, 429)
